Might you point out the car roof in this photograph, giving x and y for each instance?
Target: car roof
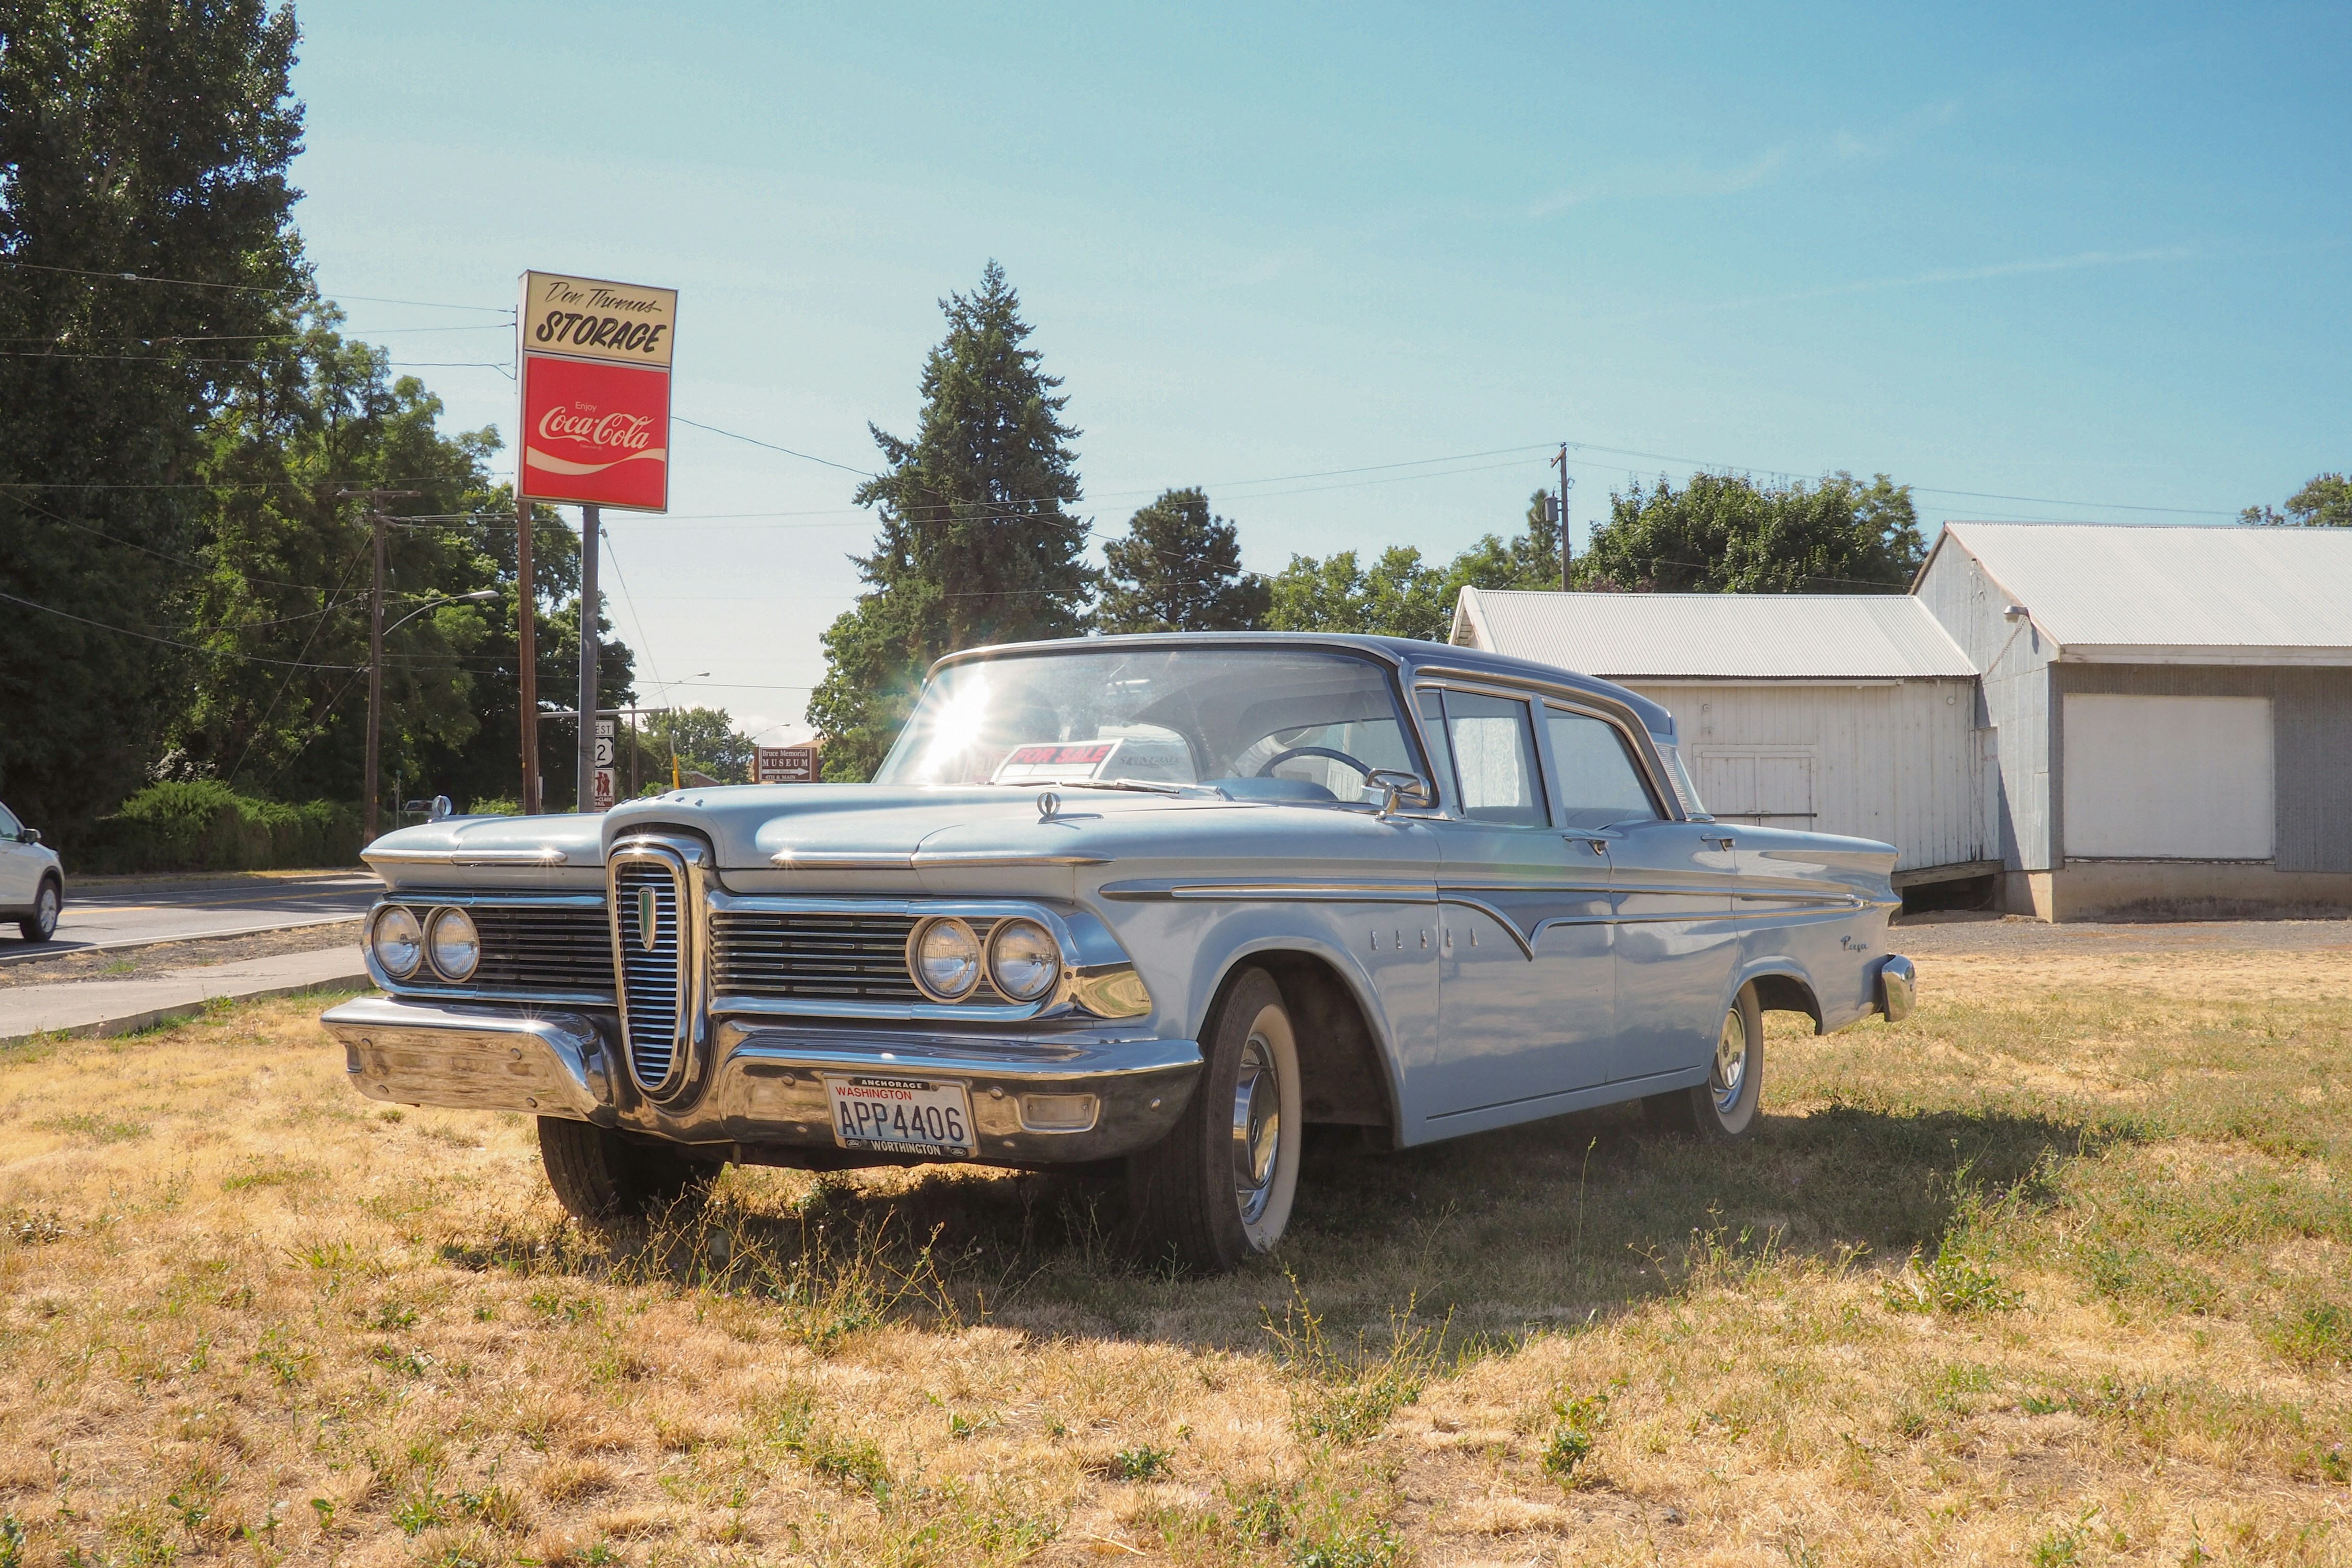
(1410, 656)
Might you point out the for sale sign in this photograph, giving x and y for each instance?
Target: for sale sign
(595, 391)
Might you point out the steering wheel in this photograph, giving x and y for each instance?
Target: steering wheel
(1266, 770)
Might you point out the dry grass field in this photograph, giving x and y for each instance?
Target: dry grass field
(2053, 1273)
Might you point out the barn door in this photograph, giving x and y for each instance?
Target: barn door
(1769, 785)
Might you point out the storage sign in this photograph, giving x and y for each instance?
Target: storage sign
(594, 372)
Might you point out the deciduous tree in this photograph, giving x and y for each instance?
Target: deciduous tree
(1726, 534)
(148, 261)
(2325, 502)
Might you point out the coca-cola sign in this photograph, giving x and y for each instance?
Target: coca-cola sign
(595, 433)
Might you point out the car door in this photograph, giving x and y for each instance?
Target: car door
(20, 868)
(1677, 939)
(1525, 986)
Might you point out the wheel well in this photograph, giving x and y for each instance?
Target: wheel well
(1787, 994)
(1337, 1056)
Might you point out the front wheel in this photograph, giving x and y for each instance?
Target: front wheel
(42, 923)
(600, 1175)
(1722, 1109)
(1219, 1187)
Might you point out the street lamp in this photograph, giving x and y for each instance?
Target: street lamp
(375, 688)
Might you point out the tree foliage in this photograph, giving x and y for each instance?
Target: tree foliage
(150, 138)
(2325, 502)
(285, 578)
(1179, 570)
(1726, 534)
(975, 545)
(1400, 594)
(706, 742)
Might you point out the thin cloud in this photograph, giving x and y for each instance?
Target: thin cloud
(1686, 177)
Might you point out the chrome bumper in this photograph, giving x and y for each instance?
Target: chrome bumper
(1046, 1099)
(1898, 987)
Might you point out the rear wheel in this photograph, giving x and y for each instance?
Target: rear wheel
(1219, 1187)
(1722, 1109)
(42, 923)
(598, 1174)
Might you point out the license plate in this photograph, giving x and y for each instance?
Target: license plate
(901, 1116)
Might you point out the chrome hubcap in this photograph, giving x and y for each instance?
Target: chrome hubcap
(1730, 1062)
(1257, 1127)
(47, 914)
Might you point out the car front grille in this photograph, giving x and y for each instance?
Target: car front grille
(544, 951)
(649, 967)
(811, 956)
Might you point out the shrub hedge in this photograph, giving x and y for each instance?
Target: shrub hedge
(204, 825)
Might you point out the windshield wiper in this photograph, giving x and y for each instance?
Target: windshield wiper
(1143, 787)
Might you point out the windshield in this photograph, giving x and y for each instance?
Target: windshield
(1258, 723)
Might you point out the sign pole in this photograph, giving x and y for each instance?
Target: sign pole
(591, 521)
(526, 656)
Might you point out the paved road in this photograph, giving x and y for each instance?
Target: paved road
(98, 917)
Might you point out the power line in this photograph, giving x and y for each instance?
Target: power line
(170, 642)
(239, 287)
(771, 446)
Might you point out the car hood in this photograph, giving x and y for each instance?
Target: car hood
(492, 851)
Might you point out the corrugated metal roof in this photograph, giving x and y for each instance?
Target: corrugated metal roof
(2175, 592)
(1755, 636)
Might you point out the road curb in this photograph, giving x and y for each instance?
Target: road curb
(142, 945)
(131, 1023)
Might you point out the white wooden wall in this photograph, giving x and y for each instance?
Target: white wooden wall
(1899, 762)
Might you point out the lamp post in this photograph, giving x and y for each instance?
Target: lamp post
(375, 684)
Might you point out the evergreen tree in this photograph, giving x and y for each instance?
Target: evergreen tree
(149, 138)
(1725, 534)
(974, 544)
(1179, 570)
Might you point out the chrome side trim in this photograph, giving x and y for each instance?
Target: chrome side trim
(916, 861)
(476, 1058)
(481, 899)
(1898, 987)
(546, 855)
(1310, 893)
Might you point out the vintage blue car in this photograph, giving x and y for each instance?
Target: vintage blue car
(1163, 899)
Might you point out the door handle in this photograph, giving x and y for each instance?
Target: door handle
(1720, 840)
(1598, 845)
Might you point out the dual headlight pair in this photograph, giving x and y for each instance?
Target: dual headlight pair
(446, 937)
(946, 957)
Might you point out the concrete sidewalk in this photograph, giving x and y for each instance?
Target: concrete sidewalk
(101, 1008)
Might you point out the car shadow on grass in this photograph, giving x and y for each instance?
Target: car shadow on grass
(1546, 1226)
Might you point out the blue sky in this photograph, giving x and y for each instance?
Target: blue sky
(2098, 258)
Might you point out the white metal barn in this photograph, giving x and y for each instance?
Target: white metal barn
(2175, 710)
(1844, 713)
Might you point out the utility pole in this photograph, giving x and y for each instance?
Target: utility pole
(376, 521)
(591, 521)
(1563, 461)
(526, 658)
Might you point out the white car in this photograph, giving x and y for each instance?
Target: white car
(32, 882)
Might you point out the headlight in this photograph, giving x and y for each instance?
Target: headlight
(398, 942)
(945, 957)
(1023, 959)
(457, 945)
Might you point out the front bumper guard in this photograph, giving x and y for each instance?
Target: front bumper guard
(1043, 1099)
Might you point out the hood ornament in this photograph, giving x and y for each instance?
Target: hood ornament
(1048, 804)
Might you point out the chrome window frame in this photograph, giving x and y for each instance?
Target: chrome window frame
(1628, 723)
(1658, 799)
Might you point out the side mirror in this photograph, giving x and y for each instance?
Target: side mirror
(1398, 788)
(29, 835)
